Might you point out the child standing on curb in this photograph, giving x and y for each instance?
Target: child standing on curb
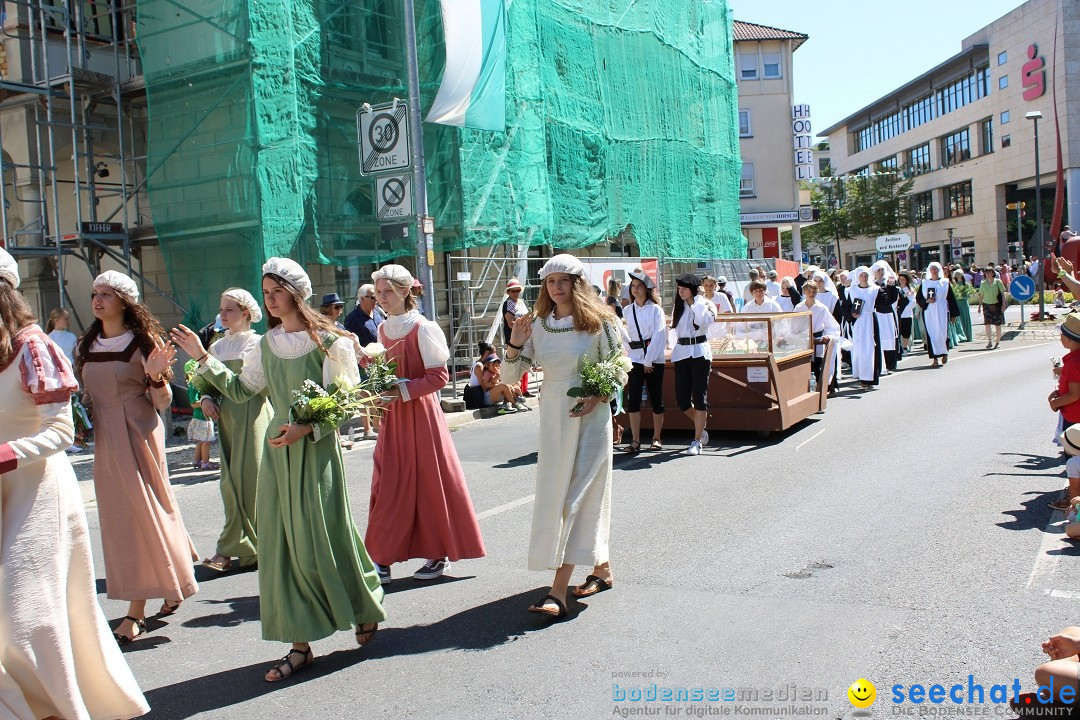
(1066, 398)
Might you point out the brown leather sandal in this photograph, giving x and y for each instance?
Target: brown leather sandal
(286, 662)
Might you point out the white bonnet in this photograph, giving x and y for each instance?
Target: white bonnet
(395, 274)
(246, 300)
(291, 272)
(9, 268)
(119, 282)
(562, 263)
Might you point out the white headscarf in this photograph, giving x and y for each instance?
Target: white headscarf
(9, 268)
(854, 276)
(562, 263)
(291, 272)
(884, 266)
(119, 282)
(246, 300)
(942, 283)
(827, 281)
(395, 274)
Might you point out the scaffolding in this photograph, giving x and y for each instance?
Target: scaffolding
(71, 69)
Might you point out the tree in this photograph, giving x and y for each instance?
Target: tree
(859, 205)
(834, 220)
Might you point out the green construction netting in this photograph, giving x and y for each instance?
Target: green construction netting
(620, 113)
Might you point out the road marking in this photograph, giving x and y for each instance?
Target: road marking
(1070, 594)
(508, 506)
(1054, 538)
(806, 441)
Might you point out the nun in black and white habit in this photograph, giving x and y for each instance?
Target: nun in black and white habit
(862, 301)
(888, 322)
(939, 307)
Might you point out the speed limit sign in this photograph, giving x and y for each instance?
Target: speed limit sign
(383, 137)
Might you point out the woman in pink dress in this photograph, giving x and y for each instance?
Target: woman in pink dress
(125, 367)
(420, 505)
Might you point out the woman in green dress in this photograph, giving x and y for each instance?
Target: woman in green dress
(315, 576)
(242, 427)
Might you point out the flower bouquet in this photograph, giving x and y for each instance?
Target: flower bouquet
(313, 405)
(380, 373)
(601, 378)
(196, 381)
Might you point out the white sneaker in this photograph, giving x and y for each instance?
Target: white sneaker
(74, 450)
(704, 437)
(694, 449)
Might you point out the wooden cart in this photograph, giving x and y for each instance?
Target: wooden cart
(760, 377)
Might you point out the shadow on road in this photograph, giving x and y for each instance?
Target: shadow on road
(1034, 515)
(1035, 463)
(479, 628)
(408, 583)
(241, 610)
(495, 623)
(517, 462)
(231, 687)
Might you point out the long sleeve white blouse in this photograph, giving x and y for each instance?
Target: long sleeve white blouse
(646, 323)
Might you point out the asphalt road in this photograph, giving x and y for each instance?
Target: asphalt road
(902, 536)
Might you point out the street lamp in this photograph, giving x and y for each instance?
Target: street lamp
(1035, 116)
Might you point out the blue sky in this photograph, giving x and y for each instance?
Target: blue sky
(860, 50)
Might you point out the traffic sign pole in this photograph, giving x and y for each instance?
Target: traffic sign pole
(425, 255)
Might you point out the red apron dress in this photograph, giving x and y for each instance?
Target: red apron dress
(420, 505)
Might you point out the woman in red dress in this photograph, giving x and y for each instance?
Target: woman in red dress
(420, 505)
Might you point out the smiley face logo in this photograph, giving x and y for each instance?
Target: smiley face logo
(862, 693)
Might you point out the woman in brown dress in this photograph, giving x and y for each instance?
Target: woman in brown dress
(126, 368)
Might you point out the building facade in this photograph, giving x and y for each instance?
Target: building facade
(960, 131)
(769, 188)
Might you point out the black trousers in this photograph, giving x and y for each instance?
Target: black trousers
(654, 381)
(905, 328)
(692, 383)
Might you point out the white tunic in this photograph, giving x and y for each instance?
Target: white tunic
(572, 512)
(768, 305)
(936, 317)
(823, 322)
(645, 323)
(57, 655)
(863, 347)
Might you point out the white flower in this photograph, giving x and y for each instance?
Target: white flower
(624, 363)
(374, 350)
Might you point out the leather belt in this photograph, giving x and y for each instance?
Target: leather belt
(697, 339)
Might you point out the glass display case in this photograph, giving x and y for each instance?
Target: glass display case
(760, 377)
(781, 334)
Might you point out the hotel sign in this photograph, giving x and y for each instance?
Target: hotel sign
(804, 142)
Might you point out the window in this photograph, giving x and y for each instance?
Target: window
(771, 64)
(922, 207)
(919, 160)
(824, 167)
(748, 66)
(863, 171)
(958, 199)
(1005, 117)
(956, 148)
(968, 89)
(1003, 57)
(746, 182)
(1003, 82)
(744, 124)
(888, 164)
(986, 136)
(1006, 141)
